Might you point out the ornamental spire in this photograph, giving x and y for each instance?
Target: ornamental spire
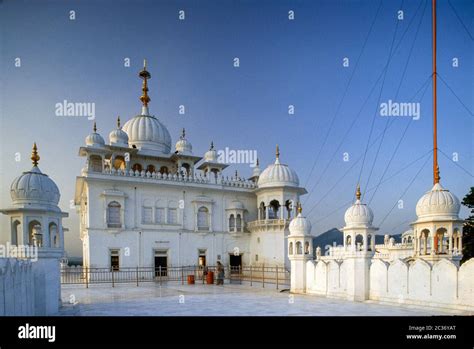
(183, 133)
(299, 208)
(277, 153)
(118, 121)
(95, 127)
(34, 155)
(358, 194)
(436, 176)
(144, 75)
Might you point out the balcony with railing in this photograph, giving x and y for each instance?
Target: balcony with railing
(265, 224)
(195, 178)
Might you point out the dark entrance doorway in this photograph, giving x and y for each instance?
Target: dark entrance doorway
(161, 261)
(235, 262)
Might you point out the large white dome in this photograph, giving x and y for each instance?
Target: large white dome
(147, 132)
(278, 175)
(358, 214)
(34, 187)
(438, 202)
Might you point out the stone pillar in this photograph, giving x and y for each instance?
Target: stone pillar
(433, 247)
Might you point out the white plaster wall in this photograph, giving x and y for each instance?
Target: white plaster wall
(398, 280)
(419, 279)
(444, 282)
(17, 291)
(378, 279)
(466, 283)
(320, 284)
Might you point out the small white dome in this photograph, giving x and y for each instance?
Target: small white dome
(34, 187)
(183, 146)
(118, 137)
(300, 226)
(438, 202)
(95, 139)
(211, 154)
(256, 171)
(278, 175)
(358, 214)
(147, 132)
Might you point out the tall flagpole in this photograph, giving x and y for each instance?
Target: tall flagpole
(436, 177)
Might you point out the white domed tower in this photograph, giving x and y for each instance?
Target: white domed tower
(359, 245)
(438, 228)
(145, 131)
(211, 166)
(183, 156)
(36, 225)
(300, 250)
(358, 231)
(277, 191)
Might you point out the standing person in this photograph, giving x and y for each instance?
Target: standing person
(220, 273)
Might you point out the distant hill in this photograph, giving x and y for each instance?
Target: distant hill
(335, 235)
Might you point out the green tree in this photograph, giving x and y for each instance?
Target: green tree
(468, 229)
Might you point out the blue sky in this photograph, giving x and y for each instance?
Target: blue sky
(282, 63)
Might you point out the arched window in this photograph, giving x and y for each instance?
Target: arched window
(113, 215)
(54, 235)
(160, 217)
(299, 247)
(261, 210)
(147, 215)
(306, 247)
(274, 208)
(164, 170)
(119, 163)
(441, 241)
(239, 222)
(95, 163)
(185, 169)
(16, 231)
(348, 240)
(35, 234)
(203, 218)
(231, 223)
(150, 168)
(290, 248)
(172, 212)
(137, 167)
(359, 241)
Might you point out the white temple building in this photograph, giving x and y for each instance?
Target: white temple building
(143, 203)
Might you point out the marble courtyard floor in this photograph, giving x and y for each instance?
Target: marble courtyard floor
(174, 299)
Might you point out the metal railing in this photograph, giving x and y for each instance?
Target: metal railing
(255, 275)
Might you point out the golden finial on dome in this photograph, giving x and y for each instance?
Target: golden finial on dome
(258, 163)
(212, 145)
(118, 121)
(144, 75)
(95, 127)
(358, 192)
(34, 155)
(183, 133)
(300, 208)
(277, 151)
